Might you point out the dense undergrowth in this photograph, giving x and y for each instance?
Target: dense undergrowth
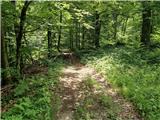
(33, 96)
(135, 72)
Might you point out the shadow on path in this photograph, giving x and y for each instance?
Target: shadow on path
(73, 91)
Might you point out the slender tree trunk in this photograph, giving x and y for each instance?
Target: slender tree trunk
(54, 39)
(83, 36)
(146, 24)
(79, 36)
(20, 34)
(115, 16)
(76, 29)
(49, 42)
(71, 38)
(4, 57)
(124, 26)
(16, 27)
(97, 29)
(15, 30)
(60, 30)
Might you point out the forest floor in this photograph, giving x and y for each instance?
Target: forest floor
(85, 94)
(114, 84)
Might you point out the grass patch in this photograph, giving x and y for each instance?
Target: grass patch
(135, 72)
(91, 83)
(33, 97)
(95, 105)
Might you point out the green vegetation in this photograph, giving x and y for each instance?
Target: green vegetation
(134, 72)
(121, 39)
(33, 97)
(95, 106)
(90, 83)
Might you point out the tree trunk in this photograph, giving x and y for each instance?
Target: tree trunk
(16, 27)
(97, 29)
(49, 42)
(115, 16)
(76, 29)
(83, 36)
(71, 38)
(146, 24)
(4, 64)
(79, 36)
(20, 34)
(60, 30)
(124, 26)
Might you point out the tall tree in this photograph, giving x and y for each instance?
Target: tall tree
(146, 23)
(49, 41)
(83, 36)
(19, 33)
(76, 34)
(97, 29)
(60, 31)
(79, 35)
(115, 18)
(5, 65)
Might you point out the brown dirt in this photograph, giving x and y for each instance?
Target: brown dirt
(71, 93)
(35, 69)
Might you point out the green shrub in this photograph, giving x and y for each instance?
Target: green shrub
(134, 72)
(33, 97)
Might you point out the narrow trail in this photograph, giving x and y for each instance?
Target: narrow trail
(72, 93)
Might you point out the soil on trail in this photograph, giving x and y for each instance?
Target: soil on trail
(72, 93)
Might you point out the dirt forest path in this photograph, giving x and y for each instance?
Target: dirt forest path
(74, 90)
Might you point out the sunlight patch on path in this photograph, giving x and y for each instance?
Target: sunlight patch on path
(127, 109)
(71, 92)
